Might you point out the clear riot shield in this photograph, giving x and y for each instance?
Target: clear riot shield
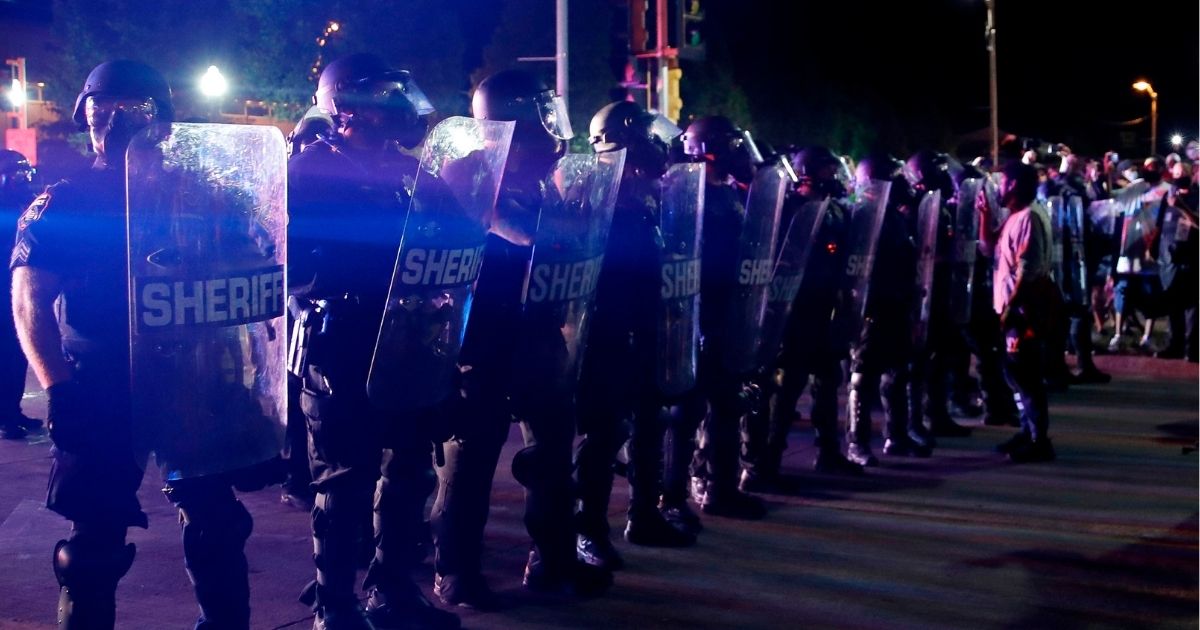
(206, 221)
(794, 252)
(1103, 216)
(862, 237)
(1176, 229)
(756, 265)
(997, 213)
(1075, 291)
(440, 253)
(963, 251)
(682, 216)
(1139, 204)
(568, 250)
(926, 241)
(1056, 209)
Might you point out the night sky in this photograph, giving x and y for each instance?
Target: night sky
(891, 75)
(1065, 66)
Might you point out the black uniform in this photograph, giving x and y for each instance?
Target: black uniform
(14, 198)
(882, 355)
(617, 383)
(76, 230)
(808, 351)
(715, 463)
(346, 219)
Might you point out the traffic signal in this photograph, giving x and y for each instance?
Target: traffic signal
(691, 36)
(674, 104)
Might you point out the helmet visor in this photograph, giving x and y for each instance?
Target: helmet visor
(665, 130)
(552, 111)
(99, 110)
(391, 89)
(745, 142)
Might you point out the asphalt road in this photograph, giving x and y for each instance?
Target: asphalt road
(1104, 537)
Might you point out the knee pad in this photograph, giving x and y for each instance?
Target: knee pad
(80, 564)
(526, 467)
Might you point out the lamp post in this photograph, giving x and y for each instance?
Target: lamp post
(1144, 86)
(990, 34)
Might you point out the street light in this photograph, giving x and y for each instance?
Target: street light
(16, 95)
(213, 83)
(1144, 86)
(1176, 141)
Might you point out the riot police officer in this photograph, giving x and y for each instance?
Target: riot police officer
(1075, 233)
(808, 351)
(83, 359)
(618, 381)
(347, 203)
(479, 422)
(928, 171)
(16, 191)
(722, 395)
(981, 333)
(882, 355)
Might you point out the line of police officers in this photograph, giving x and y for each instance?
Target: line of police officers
(708, 288)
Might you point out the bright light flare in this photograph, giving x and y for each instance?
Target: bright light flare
(16, 93)
(1176, 140)
(213, 83)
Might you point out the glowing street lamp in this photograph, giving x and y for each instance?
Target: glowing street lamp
(16, 94)
(213, 84)
(1144, 86)
(1176, 140)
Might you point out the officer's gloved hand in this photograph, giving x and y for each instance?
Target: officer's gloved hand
(66, 418)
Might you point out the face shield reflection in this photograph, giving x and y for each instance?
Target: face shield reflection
(552, 111)
(746, 143)
(662, 128)
(396, 85)
(100, 110)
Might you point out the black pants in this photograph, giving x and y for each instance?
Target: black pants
(364, 460)
(987, 343)
(718, 438)
(617, 401)
(1182, 306)
(480, 423)
(1025, 373)
(880, 362)
(97, 490)
(13, 365)
(768, 427)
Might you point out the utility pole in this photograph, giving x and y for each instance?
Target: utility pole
(560, 52)
(661, 52)
(994, 98)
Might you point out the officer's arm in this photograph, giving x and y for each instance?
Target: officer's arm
(33, 294)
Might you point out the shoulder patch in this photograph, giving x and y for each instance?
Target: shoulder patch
(34, 211)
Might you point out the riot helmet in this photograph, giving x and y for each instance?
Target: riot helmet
(16, 178)
(542, 128)
(366, 95)
(723, 145)
(883, 167)
(118, 99)
(645, 137)
(819, 169)
(929, 170)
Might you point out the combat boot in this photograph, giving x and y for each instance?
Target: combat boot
(569, 577)
(405, 606)
(651, 529)
(598, 551)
